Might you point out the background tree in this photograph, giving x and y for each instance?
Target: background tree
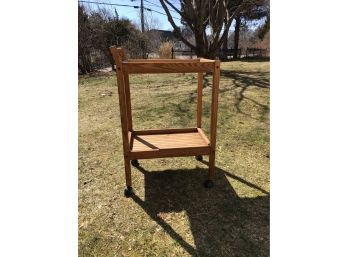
(151, 36)
(187, 33)
(209, 21)
(84, 41)
(254, 12)
(265, 28)
(249, 37)
(101, 28)
(108, 30)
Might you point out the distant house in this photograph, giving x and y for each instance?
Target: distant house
(167, 35)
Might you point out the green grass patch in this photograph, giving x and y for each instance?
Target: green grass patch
(172, 214)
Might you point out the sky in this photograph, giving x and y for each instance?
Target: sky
(133, 13)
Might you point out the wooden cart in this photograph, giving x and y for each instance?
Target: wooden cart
(159, 143)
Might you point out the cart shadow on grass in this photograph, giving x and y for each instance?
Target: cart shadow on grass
(222, 224)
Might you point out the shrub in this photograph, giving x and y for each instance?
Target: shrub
(165, 50)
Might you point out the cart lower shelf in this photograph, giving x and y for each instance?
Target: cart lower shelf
(148, 144)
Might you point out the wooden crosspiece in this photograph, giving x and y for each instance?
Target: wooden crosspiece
(160, 143)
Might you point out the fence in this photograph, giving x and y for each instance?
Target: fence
(99, 60)
(93, 60)
(183, 52)
(222, 54)
(256, 52)
(225, 54)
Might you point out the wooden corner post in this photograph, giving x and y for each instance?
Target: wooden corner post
(119, 55)
(213, 118)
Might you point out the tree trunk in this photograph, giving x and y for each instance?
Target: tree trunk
(110, 59)
(225, 47)
(200, 50)
(236, 37)
(200, 47)
(225, 44)
(84, 61)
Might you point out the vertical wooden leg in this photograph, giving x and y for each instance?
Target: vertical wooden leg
(211, 174)
(128, 191)
(213, 124)
(128, 171)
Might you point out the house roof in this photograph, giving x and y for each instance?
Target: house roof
(165, 35)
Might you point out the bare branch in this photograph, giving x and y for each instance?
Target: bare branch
(176, 28)
(174, 8)
(199, 14)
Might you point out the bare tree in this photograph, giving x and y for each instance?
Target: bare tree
(151, 36)
(258, 11)
(236, 36)
(84, 42)
(108, 29)
(209, 21)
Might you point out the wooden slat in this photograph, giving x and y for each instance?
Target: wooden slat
(179, 152)
(163, 60)
(164, 131)
(130, 139)
(166, 67)
(206, 60)
(128, 102)
(201, 132)
(199, 99)
(167, 141)
(168, 145)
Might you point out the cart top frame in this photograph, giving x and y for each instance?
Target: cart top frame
(143, 144)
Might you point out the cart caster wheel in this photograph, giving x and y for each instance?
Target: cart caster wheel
(128, 191)
(199, 158)
(208, 183)
(135, 163)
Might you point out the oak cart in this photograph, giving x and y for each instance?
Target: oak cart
(159, 143)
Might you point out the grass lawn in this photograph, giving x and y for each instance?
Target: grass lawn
(171, 213)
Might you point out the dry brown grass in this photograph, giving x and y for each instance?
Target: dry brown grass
(171, 213)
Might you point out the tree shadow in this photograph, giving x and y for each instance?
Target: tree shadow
(222, 224)
(241, 82)
(254, 59)
(248, 78)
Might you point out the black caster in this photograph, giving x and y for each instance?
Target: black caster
(135, 163)
(128, 191)
(208, 183)
(199, 158)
